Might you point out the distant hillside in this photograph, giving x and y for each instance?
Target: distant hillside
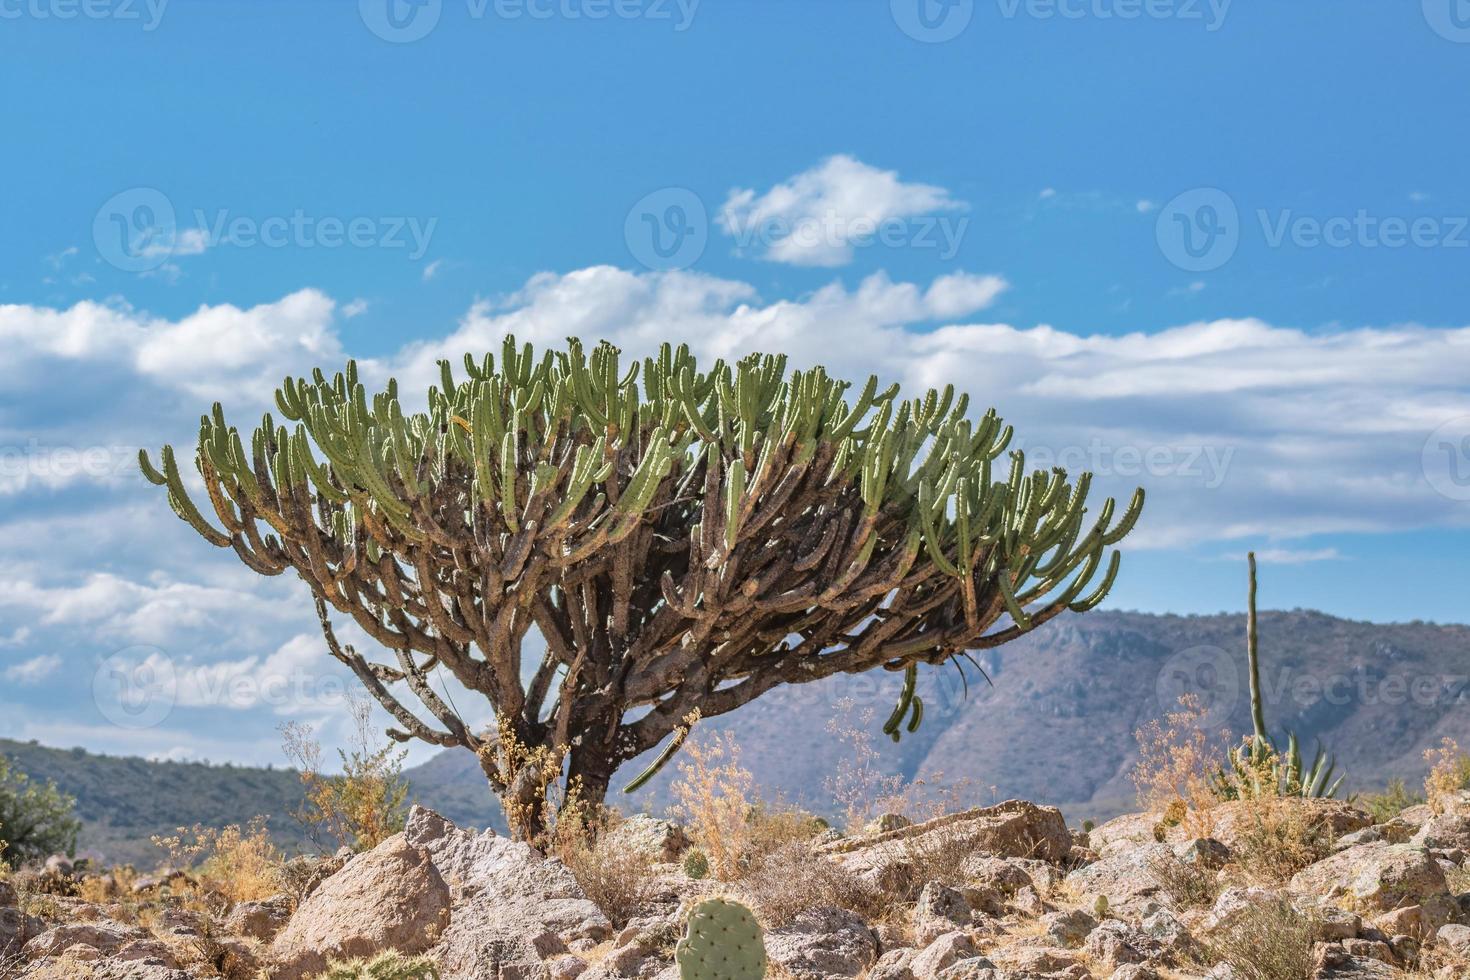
(124, 802)
(1057, 726)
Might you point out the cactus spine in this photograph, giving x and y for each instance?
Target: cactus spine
(722, 941)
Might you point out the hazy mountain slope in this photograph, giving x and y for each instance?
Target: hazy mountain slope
(1057, 726)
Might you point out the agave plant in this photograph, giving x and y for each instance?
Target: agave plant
(1256, 767)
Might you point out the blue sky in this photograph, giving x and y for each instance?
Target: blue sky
(1220, 249)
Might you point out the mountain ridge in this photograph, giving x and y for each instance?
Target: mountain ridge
(1055, 724)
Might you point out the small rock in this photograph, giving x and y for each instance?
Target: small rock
(1203, 852)
(821, 943)
(1069, 929)
(943, 952)
(1455, 938)
(940, 909)
(259, 920)
(661, 840)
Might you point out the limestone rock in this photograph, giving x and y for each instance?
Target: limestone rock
(1376, 877)
(822, 943)
(389, 898)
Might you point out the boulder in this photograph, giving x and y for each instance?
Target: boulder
(106, 938)
(1128, 876)
(259, 920)
(1454, 938)
(1012, 829)
(661, 840)
(941, 954)
(939, 910)
(504, 883)
(1376, 877)
(1070, 928)
(389, 898)
(821, 943)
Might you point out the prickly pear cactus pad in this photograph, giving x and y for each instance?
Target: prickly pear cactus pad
(723, 942)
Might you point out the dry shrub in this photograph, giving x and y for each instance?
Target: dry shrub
(242, 865)
(714, 793)
(1271, 941)
(1177, 768)
(1448, 774)
(618, 880)
(791, 879)
(1190, 886)
(1282, 837)
(362, 807)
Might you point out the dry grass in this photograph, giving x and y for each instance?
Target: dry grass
(365, 804)
(1189, 886)
(1448, 774)
(1272, 941)
(240, 865)
(1282, 838)
(791, 879)
(618, 880)
(1177, 768)
(714, 795)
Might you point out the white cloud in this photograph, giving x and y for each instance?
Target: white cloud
(816, 217)
(1287, 556)
(432, 269)
(355, 308)
(34, 670)
(1145, 206)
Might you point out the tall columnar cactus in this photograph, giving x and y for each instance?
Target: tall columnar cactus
(683, 539)
(1258, 761)
(722, 941)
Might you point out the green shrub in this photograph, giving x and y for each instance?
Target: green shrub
(36, 820)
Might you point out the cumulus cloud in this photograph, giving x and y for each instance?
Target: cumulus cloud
(817, 217)
(34, 670)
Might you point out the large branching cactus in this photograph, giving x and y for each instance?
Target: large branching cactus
(684, 540)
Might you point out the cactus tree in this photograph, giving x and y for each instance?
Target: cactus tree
(681, 539)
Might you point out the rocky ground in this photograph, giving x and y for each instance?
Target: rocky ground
(1006, 892)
